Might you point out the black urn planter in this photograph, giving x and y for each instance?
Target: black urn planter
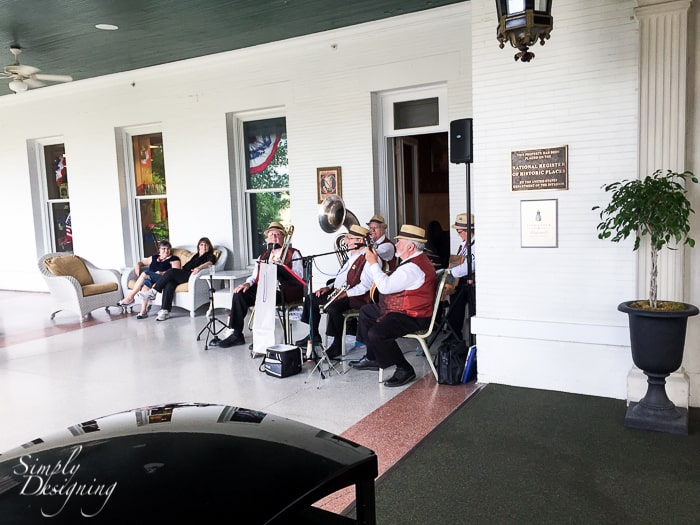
(657, 340)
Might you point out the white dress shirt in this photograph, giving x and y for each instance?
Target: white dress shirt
(365, 277)
(405, 277)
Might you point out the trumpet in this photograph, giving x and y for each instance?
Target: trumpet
(333, 296)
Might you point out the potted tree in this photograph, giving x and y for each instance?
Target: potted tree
(656, 207)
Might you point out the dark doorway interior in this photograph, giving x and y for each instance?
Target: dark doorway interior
(423, 189)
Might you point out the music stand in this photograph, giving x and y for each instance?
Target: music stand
(210, 327)
(321, 356)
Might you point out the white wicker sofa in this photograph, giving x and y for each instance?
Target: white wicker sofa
(190, 295)
(78, 285)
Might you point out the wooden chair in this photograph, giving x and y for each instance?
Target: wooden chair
(423, 335)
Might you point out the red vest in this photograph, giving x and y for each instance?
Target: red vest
(353, 279)
(390, 265)
(355, 271)
(414, 303)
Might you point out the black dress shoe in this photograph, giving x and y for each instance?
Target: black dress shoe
(366, 364)
(401, 377)
(232, 340)
(334, 351)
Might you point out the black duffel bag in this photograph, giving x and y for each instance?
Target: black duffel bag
(450, 360)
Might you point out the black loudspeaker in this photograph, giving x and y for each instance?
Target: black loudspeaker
(461, 144)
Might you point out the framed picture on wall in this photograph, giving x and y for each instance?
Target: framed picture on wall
(328, 182)
(538, 223)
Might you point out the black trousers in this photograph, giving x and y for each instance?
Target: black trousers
(243, 300)
(464, 296)
(334, 320)
(167, 284)
(380, 335)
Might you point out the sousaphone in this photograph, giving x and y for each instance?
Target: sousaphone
(332, 214)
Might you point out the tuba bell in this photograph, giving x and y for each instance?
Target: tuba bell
(332, 214)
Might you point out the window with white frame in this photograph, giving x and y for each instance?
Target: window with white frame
(57, 198)
(149, 190)
(266, 184)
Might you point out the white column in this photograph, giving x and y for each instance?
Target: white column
(663, 60)
(663, 42)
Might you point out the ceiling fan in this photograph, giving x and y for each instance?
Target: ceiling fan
(24, 77)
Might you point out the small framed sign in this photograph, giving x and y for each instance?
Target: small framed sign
(538, 224)
(329, 182)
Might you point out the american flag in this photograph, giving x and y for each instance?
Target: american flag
(60, 170)
(69, 230)
(261, 150)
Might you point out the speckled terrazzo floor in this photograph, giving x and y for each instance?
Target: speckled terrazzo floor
(57, 373)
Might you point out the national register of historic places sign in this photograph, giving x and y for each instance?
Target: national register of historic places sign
(540, 169)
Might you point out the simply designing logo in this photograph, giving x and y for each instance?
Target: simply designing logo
(60, 482)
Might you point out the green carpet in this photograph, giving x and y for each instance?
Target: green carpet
(518, 455)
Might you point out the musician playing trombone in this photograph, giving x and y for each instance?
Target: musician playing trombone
(350, 290)
(278, 252)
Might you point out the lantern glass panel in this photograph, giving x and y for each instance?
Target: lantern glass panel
(516, 6)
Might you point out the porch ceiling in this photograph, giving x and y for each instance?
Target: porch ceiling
(59, 36)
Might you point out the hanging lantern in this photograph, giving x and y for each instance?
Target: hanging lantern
(522, 23)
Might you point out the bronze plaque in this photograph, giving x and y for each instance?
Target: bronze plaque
(540, 169)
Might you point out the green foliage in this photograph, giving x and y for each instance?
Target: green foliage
(656, 206)
(270, 206)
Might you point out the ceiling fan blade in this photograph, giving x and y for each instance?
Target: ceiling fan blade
(33, 82)
(53, 78)
(21, 70)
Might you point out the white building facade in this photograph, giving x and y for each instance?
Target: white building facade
(603, 85)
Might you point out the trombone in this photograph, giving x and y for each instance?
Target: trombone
(287, 242)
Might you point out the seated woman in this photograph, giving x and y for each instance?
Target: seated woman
(157, 266)
(204, 258)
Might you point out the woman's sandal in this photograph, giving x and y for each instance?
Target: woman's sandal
(125, 303)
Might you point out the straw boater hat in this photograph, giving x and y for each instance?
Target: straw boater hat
(274, 225)
(412, 233)
(461, 222)
(378, 219)
(357, 231)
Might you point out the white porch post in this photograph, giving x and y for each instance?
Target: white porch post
(663, 57)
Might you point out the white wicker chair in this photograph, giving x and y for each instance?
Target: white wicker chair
(190, 295)
(69, 294)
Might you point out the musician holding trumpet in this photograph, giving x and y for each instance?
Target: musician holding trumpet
(350, 290)
(278, 251)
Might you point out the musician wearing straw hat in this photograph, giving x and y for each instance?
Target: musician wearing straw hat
(289, 290)
(405, 306)
(383, 246)
(350, 290)
(465, 291)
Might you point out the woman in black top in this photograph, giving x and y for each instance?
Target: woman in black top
(204, 258)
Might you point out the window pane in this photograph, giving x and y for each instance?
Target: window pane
(154, 224)
(56, 171)
(266, 162)
(149, 169)
(62, 229)
(265, 208)
(150, 190)
(416, 113)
